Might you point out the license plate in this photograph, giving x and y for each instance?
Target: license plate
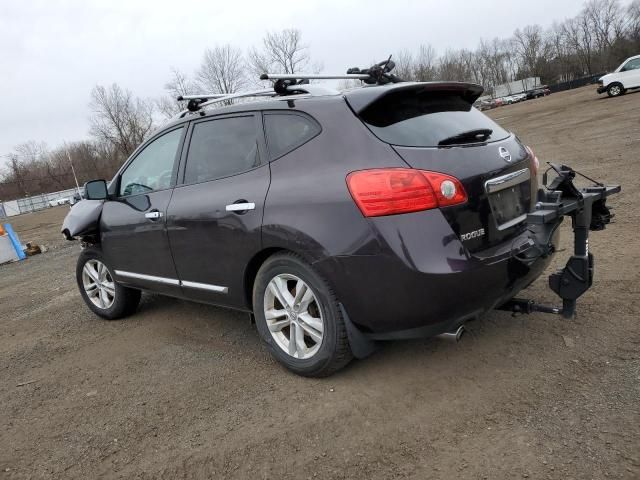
(510, 205)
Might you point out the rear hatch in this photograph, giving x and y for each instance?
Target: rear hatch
(434, 127)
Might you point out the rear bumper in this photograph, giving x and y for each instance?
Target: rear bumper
(425, 282)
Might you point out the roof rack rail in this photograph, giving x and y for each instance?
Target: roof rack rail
(196, 102)
(287, 84)
(378, 74)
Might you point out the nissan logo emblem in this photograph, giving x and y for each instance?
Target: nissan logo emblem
(504, 153)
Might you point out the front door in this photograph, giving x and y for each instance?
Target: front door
(133, 223)
(214, 218)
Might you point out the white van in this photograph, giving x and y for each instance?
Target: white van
(625, 77)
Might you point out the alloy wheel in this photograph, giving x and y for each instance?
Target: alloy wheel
(98, 284)
(293, 315)
(615, 90)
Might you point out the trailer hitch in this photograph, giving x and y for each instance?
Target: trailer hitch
(588, 212)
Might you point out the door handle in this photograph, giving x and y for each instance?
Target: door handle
(240, 207)
(153, 215)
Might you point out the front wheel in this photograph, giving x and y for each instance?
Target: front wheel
(615, 90)
(299, 318)
(102, 294)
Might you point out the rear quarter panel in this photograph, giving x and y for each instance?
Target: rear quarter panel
(308, 208)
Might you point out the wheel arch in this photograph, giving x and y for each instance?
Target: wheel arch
(257, 261)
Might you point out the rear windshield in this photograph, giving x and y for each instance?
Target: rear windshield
(425, 119)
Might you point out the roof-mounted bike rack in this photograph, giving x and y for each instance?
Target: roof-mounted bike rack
(286, 85)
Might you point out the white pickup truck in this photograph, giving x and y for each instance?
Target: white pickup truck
(625, 77)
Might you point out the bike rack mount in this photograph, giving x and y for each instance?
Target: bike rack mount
(588, 212)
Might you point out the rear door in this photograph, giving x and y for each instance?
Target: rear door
(214, 219)
(133, 223)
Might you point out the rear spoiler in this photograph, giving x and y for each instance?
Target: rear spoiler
(361, 98)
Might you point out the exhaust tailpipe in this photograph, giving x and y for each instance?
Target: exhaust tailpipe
(453, 336)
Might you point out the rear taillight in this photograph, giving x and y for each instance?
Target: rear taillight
(391, 191)
(535, 163)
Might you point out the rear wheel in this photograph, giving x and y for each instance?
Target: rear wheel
(298, 317)
(615, 90)
(102, 294)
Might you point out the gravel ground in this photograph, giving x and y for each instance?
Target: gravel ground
(183, 390)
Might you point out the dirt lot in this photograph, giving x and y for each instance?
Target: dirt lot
(183, 390)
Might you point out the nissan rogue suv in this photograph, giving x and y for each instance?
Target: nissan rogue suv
(386, 212)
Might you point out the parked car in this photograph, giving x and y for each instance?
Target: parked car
(59, 201)
(520, 97)
(484, 104)
(75, 198)
(625, 77)
(336, 219)
(535, 93)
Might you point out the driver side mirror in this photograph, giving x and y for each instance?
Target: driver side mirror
(96, 190)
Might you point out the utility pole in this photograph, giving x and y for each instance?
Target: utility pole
(74, 172)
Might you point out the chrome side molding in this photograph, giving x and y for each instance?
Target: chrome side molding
(149, 278)
(173, 281)
(205, 286)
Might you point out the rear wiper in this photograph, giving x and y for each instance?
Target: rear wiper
(479, 135)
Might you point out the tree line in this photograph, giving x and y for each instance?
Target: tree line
(604, 33)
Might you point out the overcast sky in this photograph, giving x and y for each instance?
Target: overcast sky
(53, 52)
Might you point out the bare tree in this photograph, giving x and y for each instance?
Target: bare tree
(425, 64)
(119, 118)
(178, 85)
(222, 71)
(281, 51)
(531, 49)
(633, 22)
(405, 66)
(607, 21)
(579, 38)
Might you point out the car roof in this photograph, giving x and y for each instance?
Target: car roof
(358, 99)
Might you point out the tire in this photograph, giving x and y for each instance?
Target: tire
(112, 301)
(615, 90)
(311, 318)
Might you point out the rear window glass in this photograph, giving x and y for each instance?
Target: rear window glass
(286, 132)
(426, 119)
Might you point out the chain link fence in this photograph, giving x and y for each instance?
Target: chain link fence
(37, 202)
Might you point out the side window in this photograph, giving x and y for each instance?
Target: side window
(220, 148)
(153, 168)
(286, 132)
(634, 64)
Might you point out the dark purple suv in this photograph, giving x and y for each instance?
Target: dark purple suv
(387, 212)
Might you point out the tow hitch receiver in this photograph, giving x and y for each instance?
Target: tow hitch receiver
(588, 211)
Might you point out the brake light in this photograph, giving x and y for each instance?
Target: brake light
(391, 191)
(535, 163)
